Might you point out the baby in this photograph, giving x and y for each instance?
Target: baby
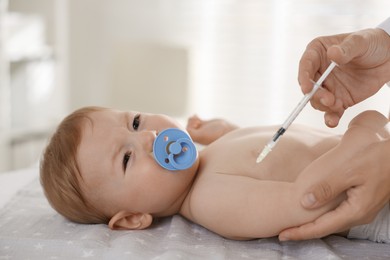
(99, 168)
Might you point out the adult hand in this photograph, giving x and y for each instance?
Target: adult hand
(364, 67)
(366, 180)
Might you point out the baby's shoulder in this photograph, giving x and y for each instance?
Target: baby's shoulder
(208, 196)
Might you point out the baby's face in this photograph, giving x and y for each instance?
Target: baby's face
(118, 168)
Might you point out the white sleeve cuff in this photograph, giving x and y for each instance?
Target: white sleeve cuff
(385, 25)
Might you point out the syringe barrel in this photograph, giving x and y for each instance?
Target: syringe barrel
(306, 98)
(296, 110)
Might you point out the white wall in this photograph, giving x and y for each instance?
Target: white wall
(242, 55)
(4, 77)
(221, 58)
(117, 60)
(33, 88)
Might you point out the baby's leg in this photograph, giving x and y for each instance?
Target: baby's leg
(374, 122)
(366, 128)
(379, 229)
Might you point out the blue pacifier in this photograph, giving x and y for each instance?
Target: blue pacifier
(174, 150)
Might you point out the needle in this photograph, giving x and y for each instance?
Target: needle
(271, 144)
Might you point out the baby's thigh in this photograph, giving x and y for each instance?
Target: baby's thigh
(373, 121)
(366, 128)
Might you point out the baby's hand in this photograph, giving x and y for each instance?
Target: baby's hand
(207, 131)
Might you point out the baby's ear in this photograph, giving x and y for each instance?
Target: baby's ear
(130, 220)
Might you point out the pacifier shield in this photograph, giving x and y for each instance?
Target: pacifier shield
(174, 150)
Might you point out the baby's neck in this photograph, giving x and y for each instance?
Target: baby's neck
(185, 208)
(177, 206)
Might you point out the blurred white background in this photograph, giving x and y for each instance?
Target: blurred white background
(236, 59)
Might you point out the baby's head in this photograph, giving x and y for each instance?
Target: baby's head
(98, 168)
(60, 174)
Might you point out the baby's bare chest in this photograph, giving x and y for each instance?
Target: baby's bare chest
(236, 154)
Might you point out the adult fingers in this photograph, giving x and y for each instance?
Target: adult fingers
(323, 100)
(309, 66)
(326, 190)
(351, 47)
(332, 119)
(334, 221)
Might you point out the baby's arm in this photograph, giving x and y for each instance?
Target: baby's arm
(207, 131)
(241, 208)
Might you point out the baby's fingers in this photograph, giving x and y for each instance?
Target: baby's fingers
(193, 122)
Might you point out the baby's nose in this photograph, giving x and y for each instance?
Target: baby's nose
(147, 138)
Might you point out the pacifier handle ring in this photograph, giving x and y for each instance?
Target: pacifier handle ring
(191, 149)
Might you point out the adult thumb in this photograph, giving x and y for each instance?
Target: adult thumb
(354, 45)
(322, 193)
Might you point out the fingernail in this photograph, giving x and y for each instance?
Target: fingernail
(323, 102)
(284, 237)
(343, 50)
(309, 200)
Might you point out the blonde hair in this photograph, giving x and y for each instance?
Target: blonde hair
(59, 173)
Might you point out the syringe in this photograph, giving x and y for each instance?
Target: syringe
(271, 144)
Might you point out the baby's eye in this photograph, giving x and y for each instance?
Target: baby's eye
(126, 159)
(136, 121)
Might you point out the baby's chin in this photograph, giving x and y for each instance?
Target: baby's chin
(195, 166)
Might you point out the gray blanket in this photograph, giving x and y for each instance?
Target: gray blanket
(31, 229)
